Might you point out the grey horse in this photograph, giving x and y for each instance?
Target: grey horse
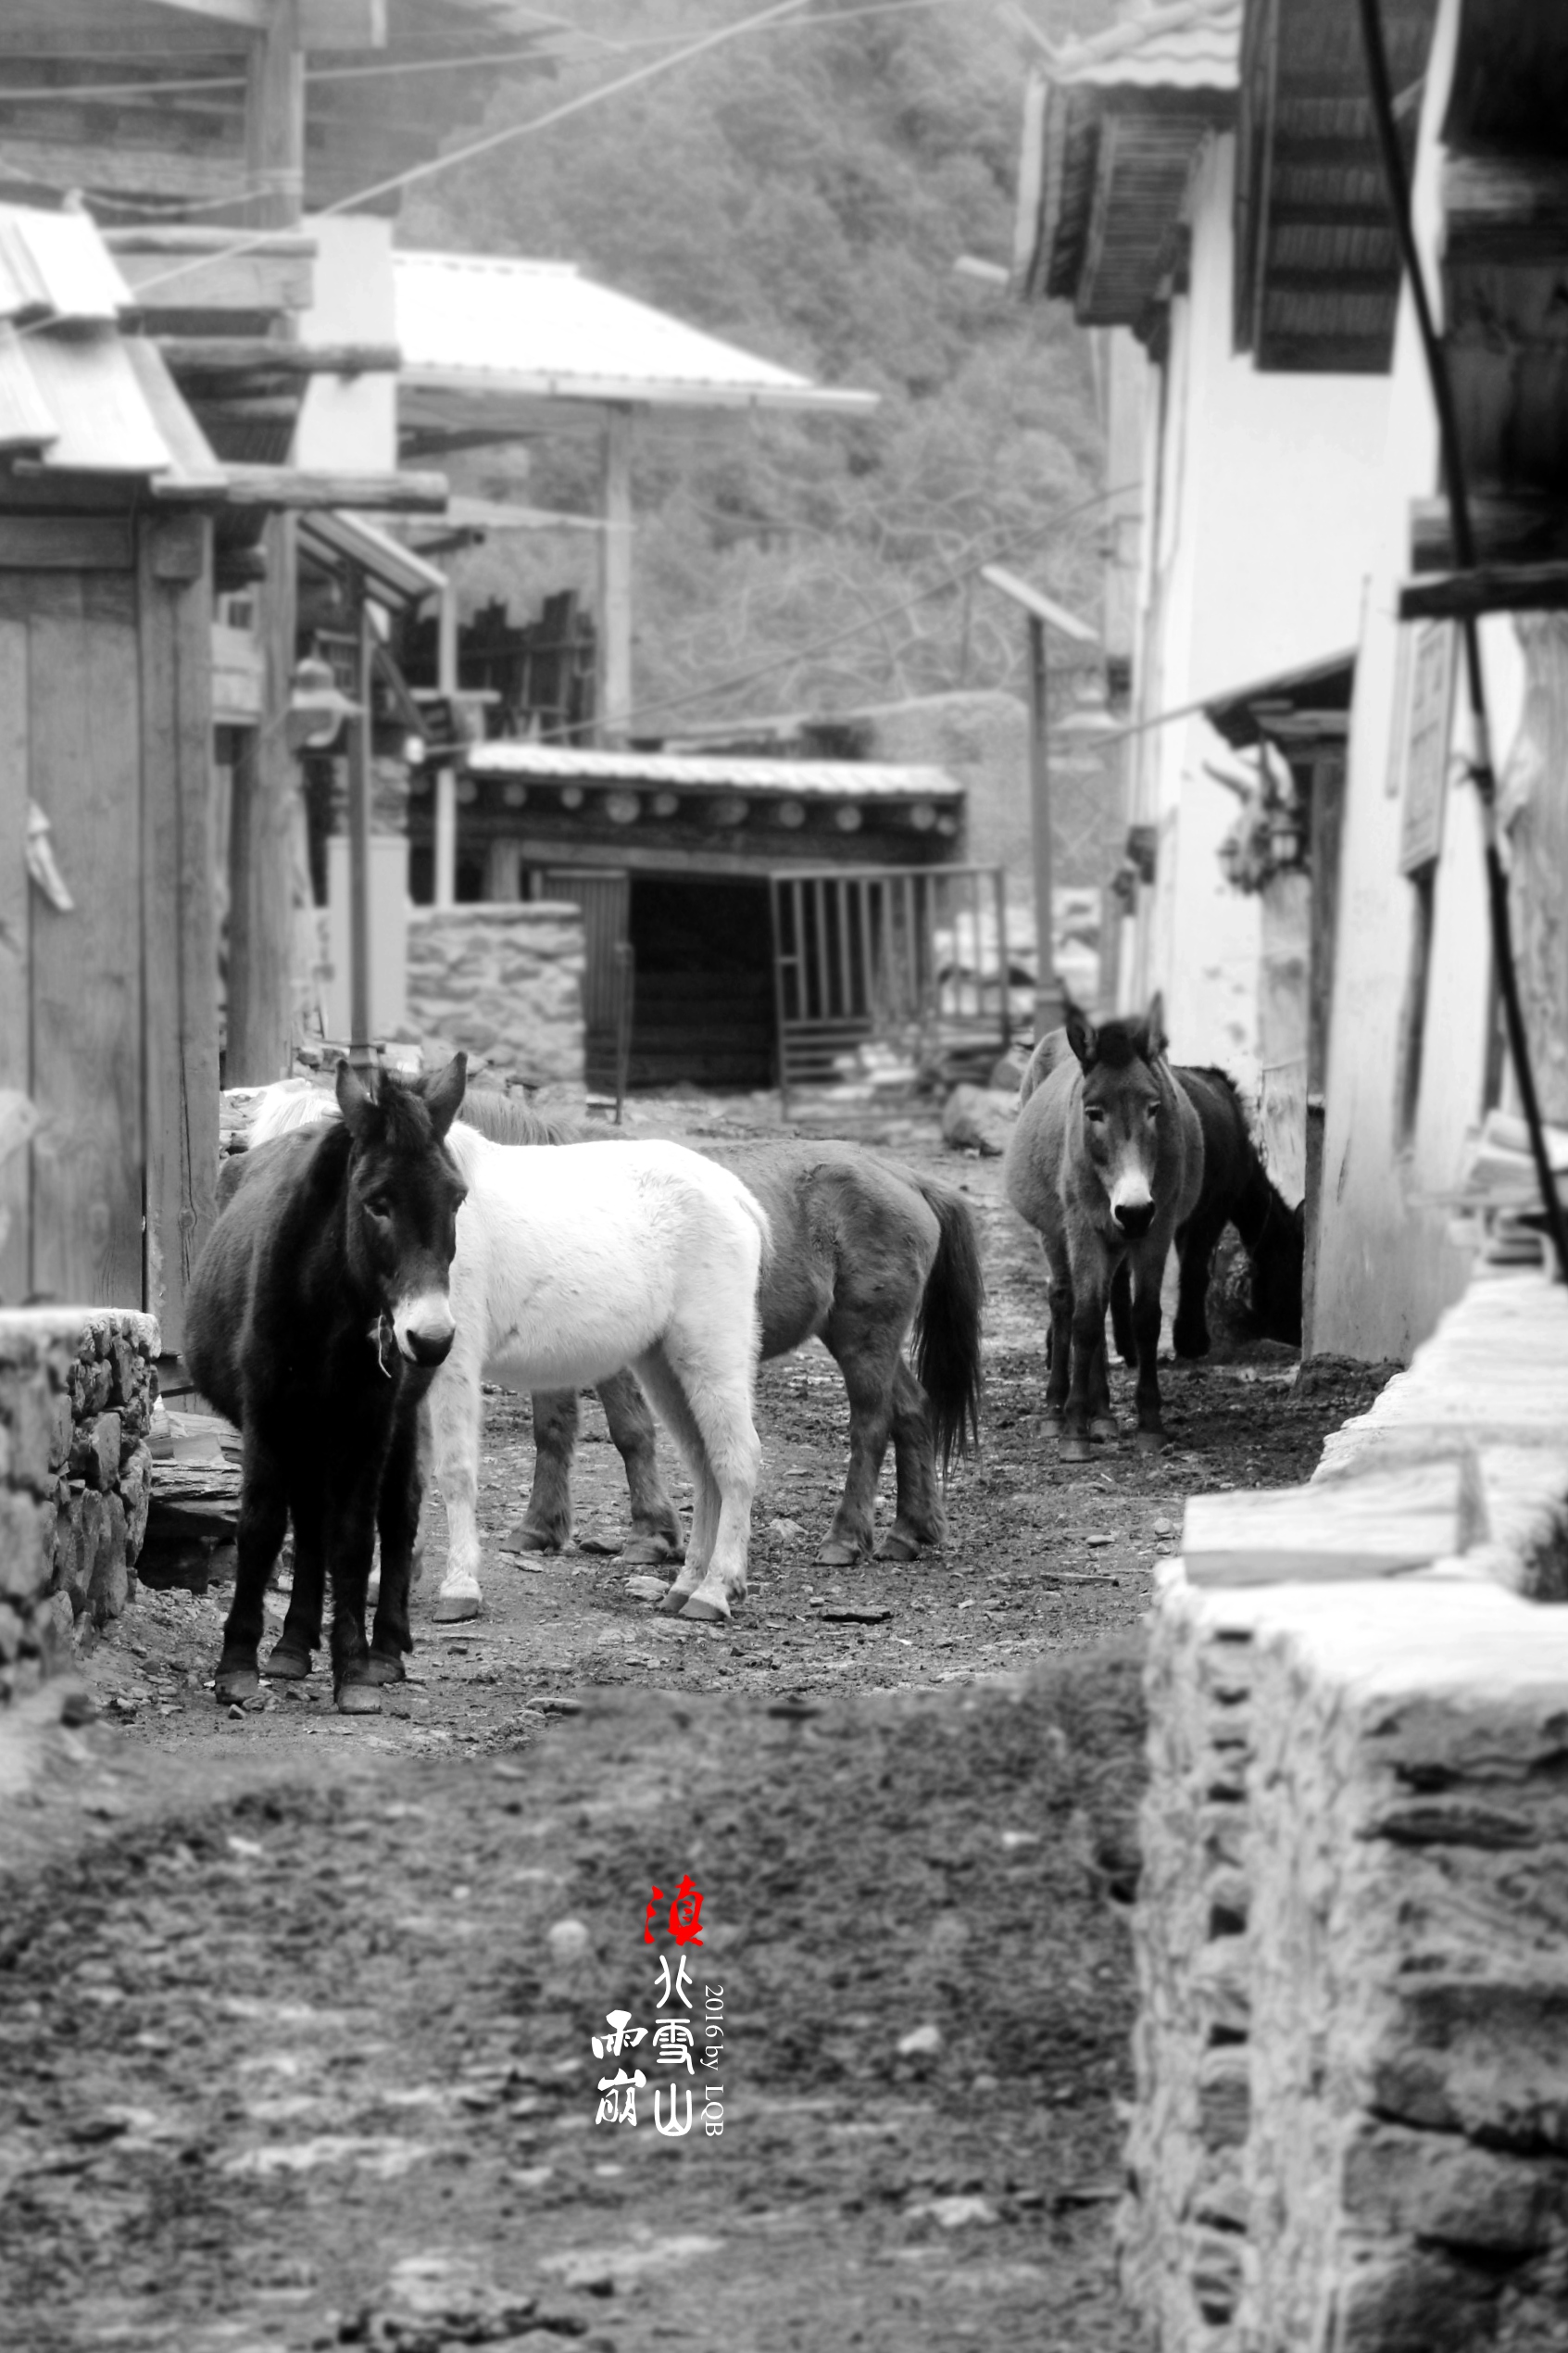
(1105, 1162)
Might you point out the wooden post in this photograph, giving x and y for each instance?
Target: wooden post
(1049, 1004)
(261, 1040)
(446, 880)
(360, 1052)
(1533, 812)
(615, 582)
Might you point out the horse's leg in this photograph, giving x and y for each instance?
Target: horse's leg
(1088, 1290)
(264, 1514)
(861, 1352)
(920, 1518)
(711, 1373)
(655, 1523)
(1060, 1357)
(456, 1412)
(1148, 1266)
(398, 1521)
(659, 1378)
(1122, 1314)
(289, 1659)
(1103, 1421)
(351, 1530)
(546, 1523)
(1195, 1250)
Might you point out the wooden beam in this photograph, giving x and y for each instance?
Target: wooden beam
(220, 272)
(261, 356)
(1040, 607)
(1505, 208)
(287, 487)
(1456, 596)
(1507, 531)
(615, 581)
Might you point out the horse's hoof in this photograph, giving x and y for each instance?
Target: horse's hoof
(460, 1600)
(896, 1548)
(373, 1590)
(834, 1554)
(523, 1539)
(1102, 1428)
(708, 1613)
(287, 1662)
(1150, 1441)
(674, 1602)
(235, 1685)
(358, 1698)
(1077, 1450)
(647, 1552)
(383, 1668)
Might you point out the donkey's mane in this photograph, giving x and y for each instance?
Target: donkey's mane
(506, 1119)
(1121, 1043)
(503, 1119)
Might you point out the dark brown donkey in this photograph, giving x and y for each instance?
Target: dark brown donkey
(1105, 1162)
(865, 1254)
(318, 1315)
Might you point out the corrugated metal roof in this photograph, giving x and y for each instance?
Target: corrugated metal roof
(791, 779)
(1192, 45)
(484, 323)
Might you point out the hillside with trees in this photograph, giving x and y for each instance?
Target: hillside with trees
(804, 191)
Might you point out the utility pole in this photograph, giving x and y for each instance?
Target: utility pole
(1040, 613)
(261, 1023)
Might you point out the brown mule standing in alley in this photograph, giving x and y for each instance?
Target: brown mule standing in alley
(1105, 1162)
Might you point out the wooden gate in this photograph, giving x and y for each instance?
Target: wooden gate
(914, 958)
(605, 899)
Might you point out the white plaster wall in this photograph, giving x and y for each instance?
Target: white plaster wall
(349, 423)
(1259, 546)
(1386, 1269)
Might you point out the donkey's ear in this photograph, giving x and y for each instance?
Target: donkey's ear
(354, 1100)
(443, 1094)
(1154, 1027)
(1082, 1037)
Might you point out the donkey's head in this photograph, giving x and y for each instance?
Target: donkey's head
(404, 1194)
(1126, 1109)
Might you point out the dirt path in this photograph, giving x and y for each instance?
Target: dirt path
(292, 2000)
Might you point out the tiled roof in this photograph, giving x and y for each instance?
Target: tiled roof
(791, 779)
(538, 329)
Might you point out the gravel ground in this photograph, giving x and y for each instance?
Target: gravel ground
(296, 2008)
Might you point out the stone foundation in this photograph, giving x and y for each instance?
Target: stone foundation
(1350, 2133)
(504, 983)
(76, 1398)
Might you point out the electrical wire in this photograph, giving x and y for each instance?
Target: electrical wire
(888, 612)
(1482, 770)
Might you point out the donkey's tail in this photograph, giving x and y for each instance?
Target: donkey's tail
(947, 1334)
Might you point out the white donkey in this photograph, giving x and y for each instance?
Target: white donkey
(572, 1261)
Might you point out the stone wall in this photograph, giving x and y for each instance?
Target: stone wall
(76, 1399)
(1350, 2133)
(505, 983)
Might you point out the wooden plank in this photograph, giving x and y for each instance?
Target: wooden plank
(257, 280)
(83, 696)
(287, 487)
(1381, 1525)
(615, 581)
(1519, 530)
(66, 543)
(261, 356)
(179, 949)
(250, 15)
(16, 1062)
(1504, 208)
(1489, 589)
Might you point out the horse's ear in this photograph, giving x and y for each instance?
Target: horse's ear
(354, 1100)
(443, 1094)
(1154, 1027)
(1081, 1037)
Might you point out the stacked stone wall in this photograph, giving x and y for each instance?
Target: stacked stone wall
(1350, 2133)
(77, 1388)
(505, 983)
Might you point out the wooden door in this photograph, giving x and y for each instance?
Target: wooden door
(108, 1004)
(605, 900)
